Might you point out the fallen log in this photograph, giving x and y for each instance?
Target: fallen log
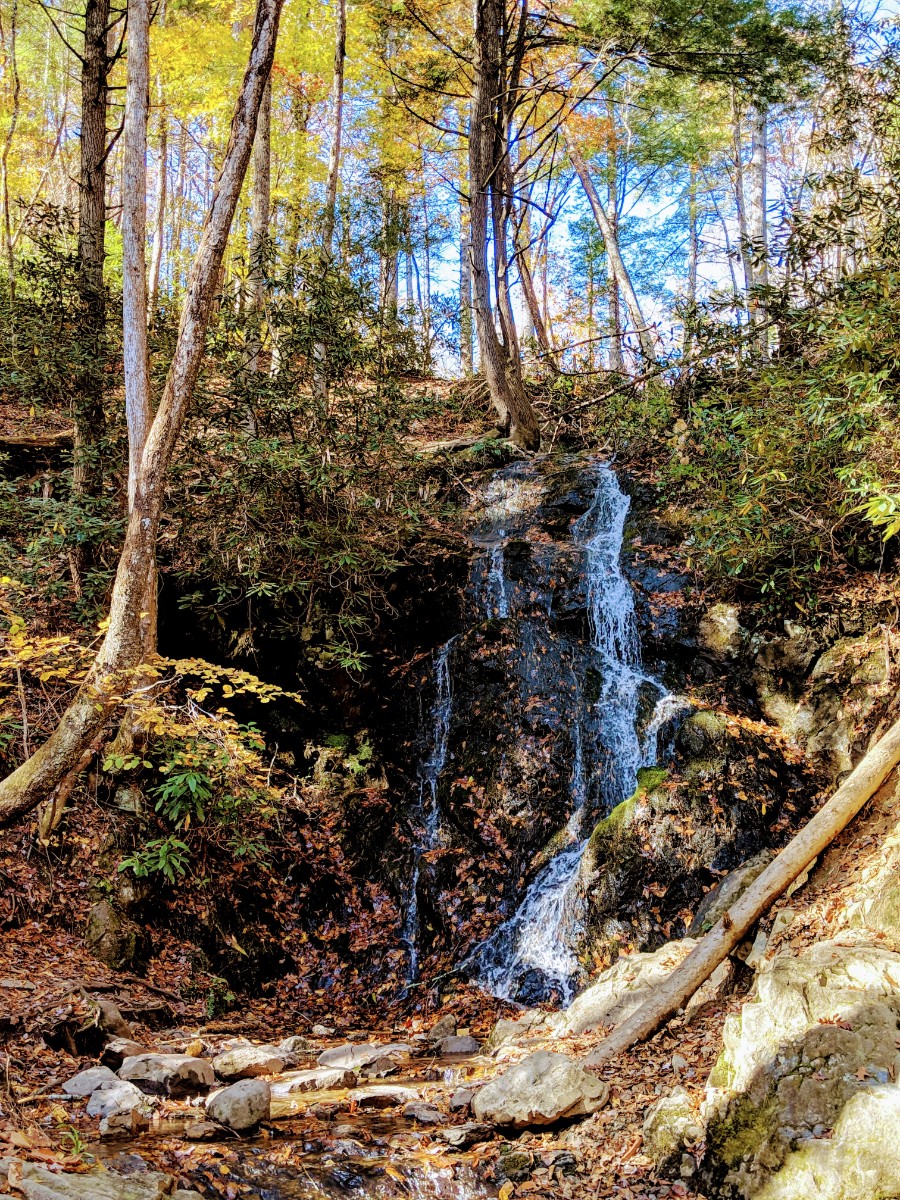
(672, 995)
(48, 439)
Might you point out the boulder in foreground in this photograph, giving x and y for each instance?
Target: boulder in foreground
(542, 1089)
(241, 1106)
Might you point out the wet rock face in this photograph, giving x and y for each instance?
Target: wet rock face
(519, 748)
(731, 794)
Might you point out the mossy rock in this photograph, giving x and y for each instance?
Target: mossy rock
(702, 733)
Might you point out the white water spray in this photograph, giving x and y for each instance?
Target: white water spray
(538, 937)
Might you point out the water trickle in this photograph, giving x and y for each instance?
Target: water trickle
(537, 938)
(429, 806)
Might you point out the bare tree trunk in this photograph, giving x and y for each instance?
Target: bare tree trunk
(121, 651)
(465, 294)
(334, 163)
(159, 231)
(758, 226)
(690, 320)
(259, 227)
(179, 203)
(646, 335)
(741, 205)
(501, 373)
(134, 236)
(674, 992)
(12, 59)
(90, 422)
(329, 216)
(614, 301)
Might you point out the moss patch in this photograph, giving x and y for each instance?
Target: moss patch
(745, 1129)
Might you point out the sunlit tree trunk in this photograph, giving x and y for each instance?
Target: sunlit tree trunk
(329, 217)
(758, 225)
(693, 262)
(159, 231)
(334, 162)
(12, 61)
(487, 145)
(68, 748)
(260, 211)
(617, 269)
(740, 202)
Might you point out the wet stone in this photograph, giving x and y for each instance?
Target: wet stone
(424, 1114)
(460, 1137)
(459, 1045)
(382, 1095)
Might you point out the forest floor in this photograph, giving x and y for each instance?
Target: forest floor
(48, 1033)
(50, 990)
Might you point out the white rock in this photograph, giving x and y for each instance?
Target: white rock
(382, 1095)
(37, 1183)
(246, 1062)
(621, 989)
(117, 1097)
(242, 1105)
(355, 1056)
(87, 1082)
(458, 1045)
(317, 1080)
(540, 1090)
(814, 1051)
(168, 1074)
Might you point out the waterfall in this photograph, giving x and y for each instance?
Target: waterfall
(592, 689)
(538, 937)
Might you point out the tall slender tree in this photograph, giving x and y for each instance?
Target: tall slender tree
(49, 771)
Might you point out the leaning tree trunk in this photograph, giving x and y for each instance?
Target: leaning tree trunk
(119, 657)
(159, 231)
(674, 992)
(646, 336)
(759, 238)
(90, 423)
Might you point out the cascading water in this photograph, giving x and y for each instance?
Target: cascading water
(429, 774)
(582, 691)
(537, 937)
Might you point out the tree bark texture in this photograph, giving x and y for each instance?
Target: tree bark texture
(488, 169)
(120, 654)
(134, 237)
(260, 211)
(159, 230)
(90, 422)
